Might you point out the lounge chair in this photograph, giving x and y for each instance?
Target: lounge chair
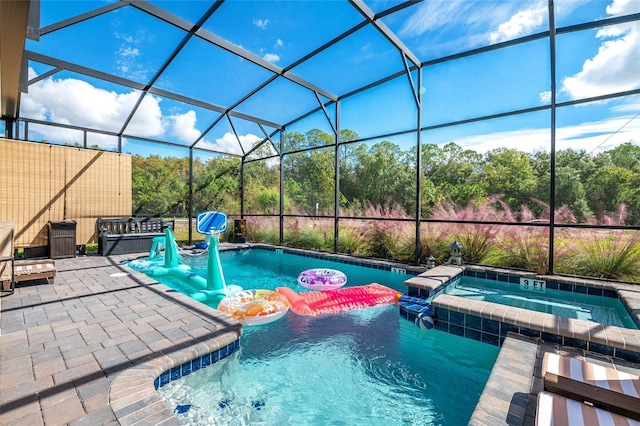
(7, 282)
(555, 409)
(603, 387)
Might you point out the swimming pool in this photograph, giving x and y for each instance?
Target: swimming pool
(600, 309)
(361, 366)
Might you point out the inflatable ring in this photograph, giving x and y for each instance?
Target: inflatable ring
(322, 279)
(255, 307)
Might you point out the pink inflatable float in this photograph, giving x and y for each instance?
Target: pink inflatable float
(340, 300)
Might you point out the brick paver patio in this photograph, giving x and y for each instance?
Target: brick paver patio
(68, 350)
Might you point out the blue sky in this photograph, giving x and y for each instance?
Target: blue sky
(130, 44)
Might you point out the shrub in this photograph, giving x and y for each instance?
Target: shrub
(263, 230)
(477, 241)
(350, 241)
(435, 241)
(523, 250)
(611, 255)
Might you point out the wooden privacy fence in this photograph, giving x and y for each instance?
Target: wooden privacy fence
(40, 183)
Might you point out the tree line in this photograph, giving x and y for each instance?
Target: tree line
(590, 186)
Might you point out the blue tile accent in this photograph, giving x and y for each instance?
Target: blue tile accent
(514, 279)
(576, 343)
(565, 287)
(165, 378)
(505, 328)
(601, 349)
(492, 276)
(549, 337)
(610, 293)
(552, 285)
(628, 355)
(595, 291)
(529, 332)
(490, 326)
(580, 289)
(206, 360)
(442, 314)
(492, 339)
(456, 329)
(442, 326)
(473, 322)
(176, 373)
(196, 364)
(472, 334)
(456, 317)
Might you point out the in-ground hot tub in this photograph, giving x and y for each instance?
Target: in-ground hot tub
(488, 321)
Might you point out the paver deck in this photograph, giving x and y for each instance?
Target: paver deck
(85, 350)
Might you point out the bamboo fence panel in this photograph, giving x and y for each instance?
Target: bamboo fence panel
(42, 183)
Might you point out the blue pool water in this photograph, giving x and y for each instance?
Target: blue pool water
(603, 310)
(361, 367)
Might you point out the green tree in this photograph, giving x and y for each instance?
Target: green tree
(509, 172)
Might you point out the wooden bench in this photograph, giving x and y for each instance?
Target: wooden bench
(129, 235)
(31, 270)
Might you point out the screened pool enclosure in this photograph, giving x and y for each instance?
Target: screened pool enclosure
(386, 129)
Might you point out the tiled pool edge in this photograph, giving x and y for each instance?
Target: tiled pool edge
(341, 258)
(490, 322)
(133, 394)
(506, 398)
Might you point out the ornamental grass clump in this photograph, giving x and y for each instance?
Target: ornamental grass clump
(612, 255)
(351, 241)
(477, 240)
(263, 230)
(434, 241)
(523, 249)
(305, 233)
(389, 239)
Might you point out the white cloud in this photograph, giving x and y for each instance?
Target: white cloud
(545, 97)
(279, 43)
(522, 23)
(435, 14)
(271, 57)
(613, 69)
(623, 7)
(76, 102)
(594, 136)
(228, 143)
(184, 126)
(127, 57)
(261, 23)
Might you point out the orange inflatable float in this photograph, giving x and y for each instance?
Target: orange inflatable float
(255, 307)
(340, 300)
